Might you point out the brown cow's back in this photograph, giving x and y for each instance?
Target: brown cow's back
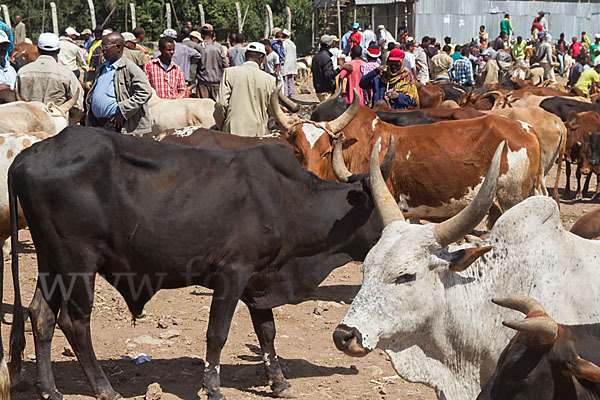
(588, 226)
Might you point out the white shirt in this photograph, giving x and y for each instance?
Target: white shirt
(409, 61)
(289, 63)
(336, 53)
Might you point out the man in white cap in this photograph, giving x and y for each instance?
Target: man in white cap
(244, 94)
(48, 81)
(289, 69)
(184, 56)
(384, 34)
(88, 40)
(131, 51)
(8, 75)
(71, 55)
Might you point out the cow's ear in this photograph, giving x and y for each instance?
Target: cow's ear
(356, 197)
(583, 369)
(461, 259)
(347, 142)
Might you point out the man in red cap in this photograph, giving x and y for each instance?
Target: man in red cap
(373, 53)
(392, 83)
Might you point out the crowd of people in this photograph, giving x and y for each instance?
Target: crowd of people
(123, 74)
(383, 68)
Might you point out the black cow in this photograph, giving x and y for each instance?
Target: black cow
(208, 139)
(333, 108)
(545, 360)
(250, 224)
(562, 106)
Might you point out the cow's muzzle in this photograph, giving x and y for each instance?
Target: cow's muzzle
(349, 340)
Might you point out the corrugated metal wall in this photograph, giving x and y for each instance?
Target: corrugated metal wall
(460, 19)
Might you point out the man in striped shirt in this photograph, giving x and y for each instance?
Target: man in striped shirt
(164, 75)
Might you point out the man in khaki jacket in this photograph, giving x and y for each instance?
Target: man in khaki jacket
(120, 92)
(244, 93)
(48, 81)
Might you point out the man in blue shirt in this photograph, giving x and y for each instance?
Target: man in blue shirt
(461, 71)
(120, 92)
(346, 42)
(8, 75)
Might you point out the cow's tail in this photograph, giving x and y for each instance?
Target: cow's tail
(561, 154)
(17, 332)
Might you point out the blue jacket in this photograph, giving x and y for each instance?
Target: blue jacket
(372, 81)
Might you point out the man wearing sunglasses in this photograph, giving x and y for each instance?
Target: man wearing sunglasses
(120, 92)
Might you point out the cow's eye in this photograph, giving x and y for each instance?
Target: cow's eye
(404, 278)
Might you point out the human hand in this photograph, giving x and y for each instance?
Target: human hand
(392, 95)
(117, 120)
(347, 67)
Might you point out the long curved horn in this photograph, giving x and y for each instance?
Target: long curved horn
(279, 116)
(344, 175)
(338, 165)
(338, 93)
(65, 107)
(458, 226)
(543, 328)
(384, 201)
(289, 103)
(523, 304)
(343, 120)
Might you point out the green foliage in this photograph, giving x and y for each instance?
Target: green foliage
(150, 14)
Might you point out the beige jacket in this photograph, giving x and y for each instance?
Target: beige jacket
(440, 64)
(47, 81)
(136, 56)
(490, 73)
(71, 55)
(243, 98)
(133, 91)
(20, 33)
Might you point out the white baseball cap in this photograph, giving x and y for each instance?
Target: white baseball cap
(169, 33)
(256, 47)
(48, 41)
(128, 37)
(106, 31)
(71, 31)
(286, 32)
(4, 37)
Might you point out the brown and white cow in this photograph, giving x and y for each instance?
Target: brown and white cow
(34, 116)
(438, 167)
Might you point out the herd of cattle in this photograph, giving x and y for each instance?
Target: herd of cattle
(264, 220)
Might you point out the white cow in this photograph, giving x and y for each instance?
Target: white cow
(34, 116)
(11, 144)
(428, 303)
(179, 113)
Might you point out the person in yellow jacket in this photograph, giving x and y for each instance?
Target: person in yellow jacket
(96, 43)
(587, 78)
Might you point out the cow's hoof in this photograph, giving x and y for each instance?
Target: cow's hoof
(287, 393)
(109, 396)
(578, 197)
(216, 396)
(51, 396)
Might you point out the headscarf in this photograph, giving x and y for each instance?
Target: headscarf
(401, 81)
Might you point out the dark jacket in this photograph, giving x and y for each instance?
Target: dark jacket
(372, 81)
(323, 72)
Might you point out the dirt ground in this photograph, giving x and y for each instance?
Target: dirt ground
(304, 342)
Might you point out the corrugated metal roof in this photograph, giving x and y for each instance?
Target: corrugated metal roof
(460, 19)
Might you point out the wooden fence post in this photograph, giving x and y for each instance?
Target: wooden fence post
(168, 15)
(54, 18)
(201, 9)
(92, 13)
(133, 17)
(238, 12)
(6, 16)
(288, 21)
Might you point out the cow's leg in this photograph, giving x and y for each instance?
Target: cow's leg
(586, 184)
(567, 194)
(264, 326)
(597, 193)
(74, 320)
(42, 312)
(578, 195)
(227, 291)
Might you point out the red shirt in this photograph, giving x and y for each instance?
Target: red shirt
(169, 84)
(357, 38)
(576, 48)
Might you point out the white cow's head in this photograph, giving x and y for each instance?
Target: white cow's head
(405, 273)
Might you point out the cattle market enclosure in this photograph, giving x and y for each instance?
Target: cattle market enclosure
(459, 19)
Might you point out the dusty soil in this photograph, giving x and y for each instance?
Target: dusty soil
(310, 360)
